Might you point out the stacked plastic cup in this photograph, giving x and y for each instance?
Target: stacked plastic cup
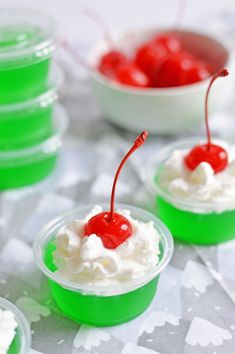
(31, 124)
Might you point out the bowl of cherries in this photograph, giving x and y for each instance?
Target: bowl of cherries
(157, 79)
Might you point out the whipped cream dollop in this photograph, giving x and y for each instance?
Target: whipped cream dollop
(201, 185)
(84, 259)
(8, 327)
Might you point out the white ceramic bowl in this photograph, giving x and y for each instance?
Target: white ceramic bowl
(161, 110)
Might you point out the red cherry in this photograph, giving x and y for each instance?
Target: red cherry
(213, 154)
(112, 233)
(131, 75)
(149, 57)
(197, 71)
(111, 227)
(169, 41)
(170, 72)
(110, 62)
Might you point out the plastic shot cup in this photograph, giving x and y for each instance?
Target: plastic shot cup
(101, 305)
(190, 221)
(28, 40)
(22, 342)
(22, 167)
(29, 122)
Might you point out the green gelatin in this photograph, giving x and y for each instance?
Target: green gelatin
(99, 310)
(26, 98)
(23, 83)
(24, 67)
(15, 345)
(203, 229)
(25, 172)
(26, 128)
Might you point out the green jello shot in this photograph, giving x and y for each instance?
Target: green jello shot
(25, 124)
(27, 42)
(190, 221)
(199, 228)
(22, 341)
(22, 167)
(16, 344)
(101, 305)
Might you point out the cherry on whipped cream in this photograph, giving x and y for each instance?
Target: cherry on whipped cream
(213, 154)
(113, 228)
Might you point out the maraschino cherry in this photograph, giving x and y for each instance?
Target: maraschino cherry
(149, 57)
(213, 154)
(129, 74)
(169, 41)
(110, 62)
(172, 69)
(159, 62)
(111, 227)
(195, 71)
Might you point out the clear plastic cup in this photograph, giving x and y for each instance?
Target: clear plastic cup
(190, 221)
(29, 122)
(101, 305)
(27, 41)
(21, 167)
(22, 341)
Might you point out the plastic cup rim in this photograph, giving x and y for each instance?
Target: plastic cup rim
(44, 236)
(54, 142)
(22, 324)
(50, 42)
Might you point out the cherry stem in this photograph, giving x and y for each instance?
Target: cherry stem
(180, 14)
(73, 54)
(138, 142)
(96, 18)
(221, 73)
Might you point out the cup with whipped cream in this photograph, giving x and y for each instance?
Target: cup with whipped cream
(15, 336)
(197, 205)
(97, 285)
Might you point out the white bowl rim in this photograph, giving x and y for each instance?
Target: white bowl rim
(45, 235)
(186, 89)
